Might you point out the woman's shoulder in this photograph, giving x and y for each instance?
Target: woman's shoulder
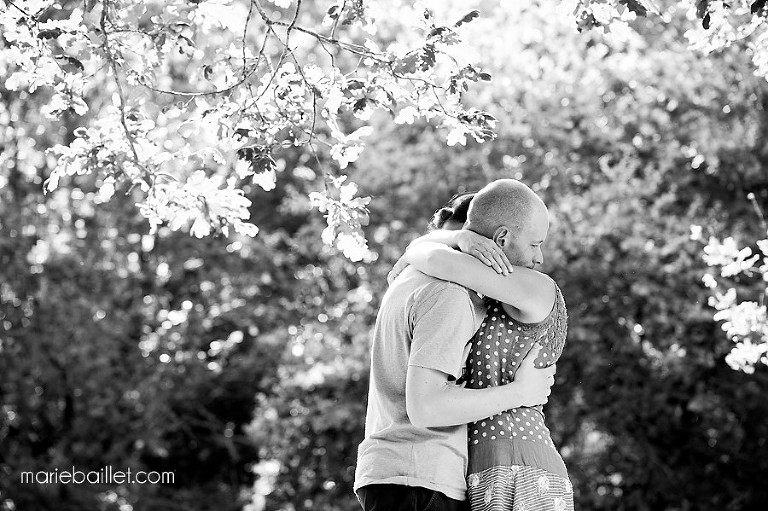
(542, 305)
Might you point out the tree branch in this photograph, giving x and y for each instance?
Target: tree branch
(758, 210)
(25, 13)
(336, 21)
(293, 23)
(245, 33)
(121, 96)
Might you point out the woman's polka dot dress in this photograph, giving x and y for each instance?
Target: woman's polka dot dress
(513, 463)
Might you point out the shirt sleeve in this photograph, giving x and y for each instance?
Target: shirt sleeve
(443, 324)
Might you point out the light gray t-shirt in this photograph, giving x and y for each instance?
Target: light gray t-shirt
(426, 322)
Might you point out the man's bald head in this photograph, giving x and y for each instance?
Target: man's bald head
(502, 203)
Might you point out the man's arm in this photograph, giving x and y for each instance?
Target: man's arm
(434, 401)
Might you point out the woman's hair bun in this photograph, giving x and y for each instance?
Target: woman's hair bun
(455, 210)
(443, 214)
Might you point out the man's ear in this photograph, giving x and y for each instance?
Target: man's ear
(500, 237)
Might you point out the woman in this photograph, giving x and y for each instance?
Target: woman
(452, 216)
(513, 463)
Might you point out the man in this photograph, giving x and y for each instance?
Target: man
(414, 455)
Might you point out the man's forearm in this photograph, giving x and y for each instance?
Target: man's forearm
(456, 405)
(451, 405)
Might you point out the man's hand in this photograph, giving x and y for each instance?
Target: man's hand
(432, 401)
(533, 384)
(485, 250)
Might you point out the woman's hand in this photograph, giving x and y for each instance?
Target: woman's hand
(396, 269)
(485, 250)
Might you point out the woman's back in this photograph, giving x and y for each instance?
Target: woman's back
(500, 445)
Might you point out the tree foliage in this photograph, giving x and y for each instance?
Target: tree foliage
(241, 363)
(723, 24)
(196, 112)
(190, 101)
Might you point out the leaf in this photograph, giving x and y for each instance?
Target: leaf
(635, 6)
(359, 133)
(427, 57)
(17, 80)
(262, 161)
(407, 115)
(242, 133)
(444, 35)
(467, 18)
(758, 6)
(456, 136)
(486, 77)
(355, 84)
(185, 44)
(49, 33)
(359, 105)
(246, 229)
(334, 11)
(586, 21)
(266, 179)
(702, 9)
(706, 21)
(107, 189)
(243, 168)
(160, 39)
(78, 106)
(58, 104)
(437, 31)
(408, 64)
(70, 60)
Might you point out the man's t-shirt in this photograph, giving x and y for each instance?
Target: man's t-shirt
(423, 322)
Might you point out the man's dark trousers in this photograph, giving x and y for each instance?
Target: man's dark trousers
(395, 497)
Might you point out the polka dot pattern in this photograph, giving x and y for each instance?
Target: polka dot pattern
(498, 348)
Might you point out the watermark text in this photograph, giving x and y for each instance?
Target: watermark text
(105, 475)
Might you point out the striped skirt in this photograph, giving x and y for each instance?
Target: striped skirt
(519, 488)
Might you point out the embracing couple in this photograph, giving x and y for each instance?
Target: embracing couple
(463, 358)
